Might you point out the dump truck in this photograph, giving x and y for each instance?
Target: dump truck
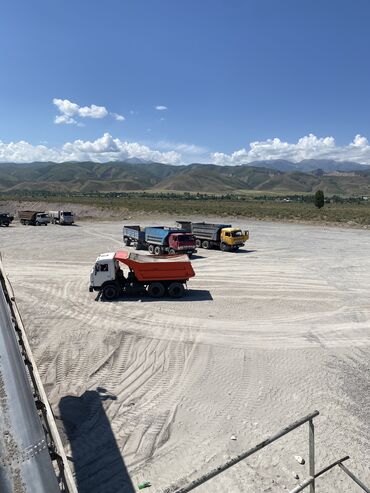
(34, 218)
(160, 239)
(5, 219)
(61, 217)
(223, 236)
(142, 274)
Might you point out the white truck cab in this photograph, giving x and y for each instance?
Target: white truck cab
(61, 217)
(42, 218)
(104, 270)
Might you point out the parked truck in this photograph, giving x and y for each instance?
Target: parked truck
(5, 219)
(223, 236)
(33, 218)
(61, 217)
(160, 239)
(156, 276)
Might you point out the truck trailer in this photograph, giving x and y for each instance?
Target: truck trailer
(61, 217)
(33, 218)
(5, 219)
(160, 239)
(155, 276)
(223, 236)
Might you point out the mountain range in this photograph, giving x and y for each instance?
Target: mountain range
(280, 176)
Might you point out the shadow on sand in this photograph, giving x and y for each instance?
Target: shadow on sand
(97, 461)
(191, 295)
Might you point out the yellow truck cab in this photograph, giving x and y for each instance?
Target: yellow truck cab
(222, 236)
(233, 238)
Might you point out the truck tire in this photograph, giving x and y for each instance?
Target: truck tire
(157, 250)
(110, 292)
(224, 247)
(37, 223)
(171, 251)
(156, 289)
(205, 244)
(126, 241)
(198, 243)
(176, 290)
(151, 249)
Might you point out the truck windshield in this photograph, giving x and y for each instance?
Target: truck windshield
(186, 238)
(43, 215)
(235, 234)
(67, 213)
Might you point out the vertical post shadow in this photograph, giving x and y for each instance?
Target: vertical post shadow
(98, 464)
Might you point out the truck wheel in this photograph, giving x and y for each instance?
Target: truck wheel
(126, 241)
(110, 292)
(37, 223)
(198, 243)
(151, 249)
(171, 251)
(224, 247)
(205, 244)
(156, 289)
(158, 250)
(176, 290)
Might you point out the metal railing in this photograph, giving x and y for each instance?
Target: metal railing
(42, 407)
(309, 482)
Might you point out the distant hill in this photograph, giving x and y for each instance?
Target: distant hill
(307, 165)
(281, 176)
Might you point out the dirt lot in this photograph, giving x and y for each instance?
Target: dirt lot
(158, 388)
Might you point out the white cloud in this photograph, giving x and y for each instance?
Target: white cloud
(69, 110)
(93, 111)
(161, 108)
(119, 118)
(66, 107)
(182, 148)
(65, 119)
(108, 148)
(103, 149)
(308, 147)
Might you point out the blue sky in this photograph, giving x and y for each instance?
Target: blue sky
(227, 73)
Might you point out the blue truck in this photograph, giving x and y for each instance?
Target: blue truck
(159, 240)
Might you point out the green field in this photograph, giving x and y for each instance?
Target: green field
(269, 207)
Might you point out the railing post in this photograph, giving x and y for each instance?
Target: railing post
(354, 478)
(311, 444)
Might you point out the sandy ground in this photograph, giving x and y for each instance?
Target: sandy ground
(264, 336)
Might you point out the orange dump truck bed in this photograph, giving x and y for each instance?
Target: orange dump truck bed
(157, 268)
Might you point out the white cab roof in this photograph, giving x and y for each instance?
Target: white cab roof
(105, 256)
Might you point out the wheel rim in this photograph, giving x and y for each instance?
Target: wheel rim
(156, 290)
(110, 292)
(176, 290)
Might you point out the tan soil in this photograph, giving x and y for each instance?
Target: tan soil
(264, 336)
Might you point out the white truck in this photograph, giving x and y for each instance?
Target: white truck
(61, 217)
(156, 276)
